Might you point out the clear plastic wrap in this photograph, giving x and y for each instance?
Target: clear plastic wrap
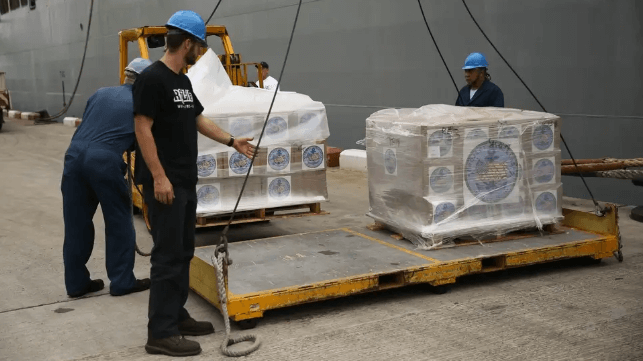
(442, 172)
(290, 168)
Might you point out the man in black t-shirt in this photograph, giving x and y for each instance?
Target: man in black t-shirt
(167, 118)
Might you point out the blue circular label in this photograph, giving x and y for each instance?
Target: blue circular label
(309, 120)
(206, 165)
(276, 127)
(279, 188)
(544, 171)
(313, 156)
(278, 158)
(443, 211)
(546, 202)
(442, 140)
(441, 180)
(208, 196)
(509, 132)
(241, 127)
(476, 134)
(390, 161)
(543, 137)
(491, 171)
(239, 163)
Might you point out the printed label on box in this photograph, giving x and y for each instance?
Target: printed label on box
(390, 161)
(440, 144)
(312, 157)
(206, 165)
(543, 138)
(279, 189)
(238, 164)
(278, 159)
(277, 127)
(544, 170)
(209, 196)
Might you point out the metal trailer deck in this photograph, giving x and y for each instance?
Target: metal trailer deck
(290, 270)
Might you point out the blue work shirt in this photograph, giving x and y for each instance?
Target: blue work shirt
(108, 121)
(488, 95)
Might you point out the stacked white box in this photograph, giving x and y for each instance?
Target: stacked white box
(290, 168)
(441, 172)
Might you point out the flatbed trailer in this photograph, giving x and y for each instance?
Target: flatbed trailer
(278, 272)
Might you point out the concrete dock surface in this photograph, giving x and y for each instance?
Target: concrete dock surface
(569, 310)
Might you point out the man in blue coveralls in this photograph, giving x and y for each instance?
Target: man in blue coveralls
(479, 91)
(94, 173)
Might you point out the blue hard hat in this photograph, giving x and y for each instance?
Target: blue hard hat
(475, 60)
(190, 22)
(138, 65)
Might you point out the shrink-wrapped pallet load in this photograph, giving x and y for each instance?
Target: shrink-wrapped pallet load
(290, 168)
(441, 172)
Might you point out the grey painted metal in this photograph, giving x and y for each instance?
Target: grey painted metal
(578, 56)
(305, 259)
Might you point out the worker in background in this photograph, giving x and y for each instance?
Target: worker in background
(269, 83)
(479, 91)
(167, 118)
(94, 173)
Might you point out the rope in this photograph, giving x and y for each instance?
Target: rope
(80, 73)
(223, 299)
(213, 11)
(599, 165)
(621, 174)
(221, 249)
(599, 211)
(617, 173)
(440, 53)
(629, 163)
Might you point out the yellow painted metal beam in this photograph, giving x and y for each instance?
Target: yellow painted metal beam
(588, 222)
(142, 46)
(122, 58)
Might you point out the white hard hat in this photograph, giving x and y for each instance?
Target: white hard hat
(138, 65)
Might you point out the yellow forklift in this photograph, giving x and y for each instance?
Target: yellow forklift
(149, 37)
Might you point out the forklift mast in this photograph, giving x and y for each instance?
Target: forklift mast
(154, 36)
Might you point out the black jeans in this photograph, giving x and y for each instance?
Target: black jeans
(173, 234)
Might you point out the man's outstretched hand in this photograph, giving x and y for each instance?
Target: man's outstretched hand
(243, 146)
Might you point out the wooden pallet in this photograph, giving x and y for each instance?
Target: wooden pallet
(262, 215)
(548, 229)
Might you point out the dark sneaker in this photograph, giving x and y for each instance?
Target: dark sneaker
(172, 346)
(141, 285)
(192, 327)
(94, 286)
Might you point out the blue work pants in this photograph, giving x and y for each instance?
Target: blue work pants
(93, 175)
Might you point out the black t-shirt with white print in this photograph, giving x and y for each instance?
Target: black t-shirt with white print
(168, 99)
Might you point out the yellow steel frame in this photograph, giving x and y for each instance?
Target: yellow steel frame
(602, 243)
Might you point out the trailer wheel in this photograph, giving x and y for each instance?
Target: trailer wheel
(247, 324)
(439, 290)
